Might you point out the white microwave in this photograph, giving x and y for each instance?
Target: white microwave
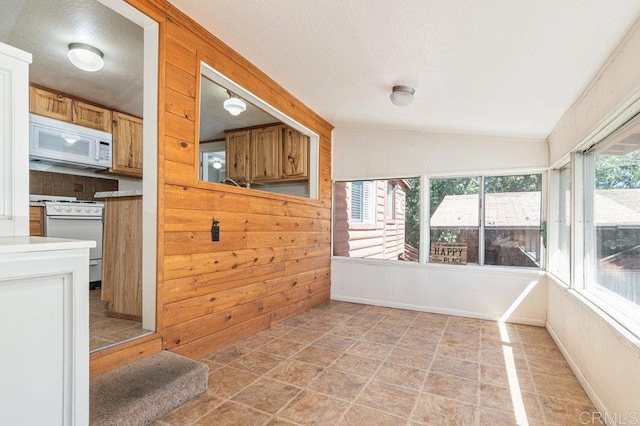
(57, 142)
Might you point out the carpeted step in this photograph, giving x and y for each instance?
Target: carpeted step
(142, 392)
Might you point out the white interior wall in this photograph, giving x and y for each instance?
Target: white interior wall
(375, 153)
(604, 357)
(612, 91)
(485, 292)
(470, 291)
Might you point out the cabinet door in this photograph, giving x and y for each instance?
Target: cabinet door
(48, 104)
(127, 144)
(91, 116)
(265, 144)
(36, 221)
(295, 154)
(237, 153)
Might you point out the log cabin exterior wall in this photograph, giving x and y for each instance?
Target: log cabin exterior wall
(273, 258)
(383, 238)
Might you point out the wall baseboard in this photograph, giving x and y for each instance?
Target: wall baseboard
(453, 312)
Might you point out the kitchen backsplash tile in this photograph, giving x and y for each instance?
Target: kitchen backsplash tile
(81, 187)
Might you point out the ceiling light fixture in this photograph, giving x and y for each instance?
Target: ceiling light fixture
(217, 163)
(85, 57)
(234, 104)
(402, 95)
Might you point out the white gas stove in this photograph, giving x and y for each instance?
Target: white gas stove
(66, 217)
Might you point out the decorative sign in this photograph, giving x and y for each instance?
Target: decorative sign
(449, 253)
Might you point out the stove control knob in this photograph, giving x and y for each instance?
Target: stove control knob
(96, 210)
(78, 209)
(58, 208)
(68, 209)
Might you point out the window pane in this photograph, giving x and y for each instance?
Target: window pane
(512, 220)
(361, 228)
(612, 234)
(454, 207)
(560, 261)
(357, 201)
(391, 201)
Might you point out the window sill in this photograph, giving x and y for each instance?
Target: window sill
(506, 270)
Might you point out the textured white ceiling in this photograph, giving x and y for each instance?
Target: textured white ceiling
(500, 67)
(45, 28)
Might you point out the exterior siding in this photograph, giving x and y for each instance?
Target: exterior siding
(381, 239)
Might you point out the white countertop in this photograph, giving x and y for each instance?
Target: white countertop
(114, 194)
(32, 244)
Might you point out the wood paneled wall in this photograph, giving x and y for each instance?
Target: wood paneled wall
(273, 257)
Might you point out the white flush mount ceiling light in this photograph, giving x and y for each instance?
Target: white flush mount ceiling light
(234, 104)
(85, 57)
(217, 163)
(402, 95)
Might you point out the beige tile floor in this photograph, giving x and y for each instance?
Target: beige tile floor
(105, 331)
(349, 364)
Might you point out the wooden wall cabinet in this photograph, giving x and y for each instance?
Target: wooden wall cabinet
(122, 257)
(271, 154)
(237, 155)
(48, 104)
(294, 158)
(127, 145)
(265, 148)
(60, 107)
(88, 115)
(36, 221)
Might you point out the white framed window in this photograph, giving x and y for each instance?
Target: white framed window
(361, 224)
(560, 224)
(611, 231)
(363, 201)
(390, 201)
(495, 220)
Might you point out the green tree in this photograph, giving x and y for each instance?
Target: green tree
(617, 171)
(440, 188)
(412, 213)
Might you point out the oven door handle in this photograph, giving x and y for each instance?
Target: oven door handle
(93, 262)
(75, 217)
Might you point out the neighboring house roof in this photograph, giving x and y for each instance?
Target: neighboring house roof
(617, 207)
(512, 209)
(521, 209)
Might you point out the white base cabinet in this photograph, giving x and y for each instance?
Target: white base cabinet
(44, 330)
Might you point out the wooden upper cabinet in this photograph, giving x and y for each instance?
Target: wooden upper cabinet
(48, 104)
(271, 153)
(127, 145)
(88, 115)
(60, 107)
(294, 160)
(237, 153)
(265, 146)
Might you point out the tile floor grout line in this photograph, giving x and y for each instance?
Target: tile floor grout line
(424, 380)
(389, 319)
